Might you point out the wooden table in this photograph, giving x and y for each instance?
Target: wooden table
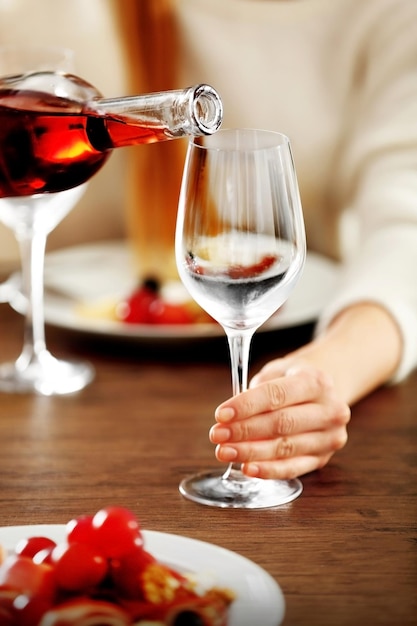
(344, 553)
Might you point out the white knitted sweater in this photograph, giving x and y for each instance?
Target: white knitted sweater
(339, 77)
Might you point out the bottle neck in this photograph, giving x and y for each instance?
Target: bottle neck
(197, 110)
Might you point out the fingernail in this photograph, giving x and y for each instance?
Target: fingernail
(219, 435)
(226, 453)
(224, 414)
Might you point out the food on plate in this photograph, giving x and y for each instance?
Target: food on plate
(154, 302)
(169, 303)
(102, 575)
(236, 271)
(150, 304)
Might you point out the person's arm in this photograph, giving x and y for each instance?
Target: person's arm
(361, 349)
(294, 416)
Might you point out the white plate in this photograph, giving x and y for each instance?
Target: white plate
(259, 599)
(95, 273)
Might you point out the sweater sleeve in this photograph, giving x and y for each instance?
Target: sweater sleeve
(377, 175)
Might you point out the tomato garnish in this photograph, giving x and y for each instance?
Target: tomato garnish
(162, 312)
(100, 574)
(32, 545)
(29, 610)
(21, 573)
(80, 530)
(135, 309)
(238, 270)
(147, 305)
(251, 271)
(78, 566)
(116, 531)
(127, 573)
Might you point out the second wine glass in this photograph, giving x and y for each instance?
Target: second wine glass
(32, 218)
(240, 249)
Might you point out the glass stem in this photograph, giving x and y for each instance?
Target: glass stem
(239, 346)
(32, 252)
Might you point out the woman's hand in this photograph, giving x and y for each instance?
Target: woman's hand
(290, 422)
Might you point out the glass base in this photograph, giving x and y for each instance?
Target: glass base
(46, 376)
(237, 491)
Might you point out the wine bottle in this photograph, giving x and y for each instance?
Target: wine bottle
(56, 130)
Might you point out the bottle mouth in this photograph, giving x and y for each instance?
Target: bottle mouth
(207, 109)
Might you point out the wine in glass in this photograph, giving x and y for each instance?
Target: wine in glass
(56, 131)
(31, 218)
(240, 249)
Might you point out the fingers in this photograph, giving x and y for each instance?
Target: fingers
(295, 387)
(284, 427)
(306, 444)
(282, 422)
(285, 469)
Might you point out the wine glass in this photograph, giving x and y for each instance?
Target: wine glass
(32, 218)
(240, 249)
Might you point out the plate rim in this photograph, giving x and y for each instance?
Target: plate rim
(165, 547)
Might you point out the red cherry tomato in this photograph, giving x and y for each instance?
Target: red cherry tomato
(250, 271)
(162, 312)
(43, 556)
(80, 530)
(78, 566)
(126, 573)
(136, 308)
(27, 577)
(116, 531)
(30, 610)
(32, 545)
